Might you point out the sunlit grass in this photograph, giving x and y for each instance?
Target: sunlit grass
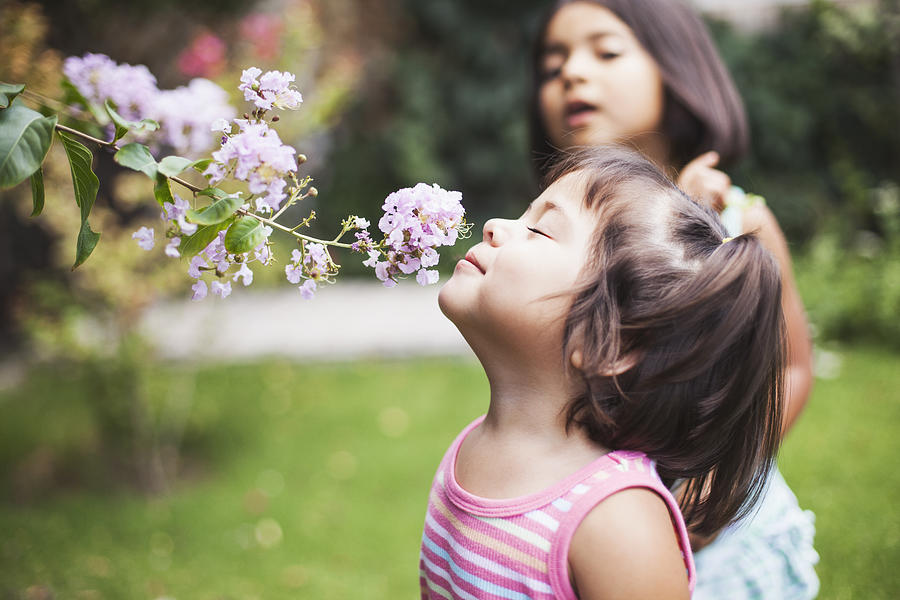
(314, 481)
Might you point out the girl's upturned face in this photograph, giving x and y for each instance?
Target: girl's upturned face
(599, 85)
(513, 288)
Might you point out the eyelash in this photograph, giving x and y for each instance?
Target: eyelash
(533, 230)
(547, 75)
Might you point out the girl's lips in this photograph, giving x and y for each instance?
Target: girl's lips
(470, 258)
(579, 113)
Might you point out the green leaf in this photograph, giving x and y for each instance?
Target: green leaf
(200, 165)
(37, 192)
(216, 212)
(193, 244)
(8, 91)
(137, 156)
(213, 192)
(172, 166)
(123, 125)
(161, 191)
(86, 186)
(244, 235)
(25, 137)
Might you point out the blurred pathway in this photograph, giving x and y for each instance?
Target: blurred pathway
(351, 319)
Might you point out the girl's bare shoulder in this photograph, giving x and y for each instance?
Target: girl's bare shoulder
(627, 547)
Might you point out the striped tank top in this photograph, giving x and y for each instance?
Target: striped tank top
(517, 549)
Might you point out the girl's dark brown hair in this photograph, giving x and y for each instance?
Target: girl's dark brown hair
(681, 338)
(703, 110)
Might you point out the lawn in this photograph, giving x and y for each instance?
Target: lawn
(311, 482)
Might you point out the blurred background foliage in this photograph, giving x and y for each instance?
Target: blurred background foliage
(401, 91)
(395, 92)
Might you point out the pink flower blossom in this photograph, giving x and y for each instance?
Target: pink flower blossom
(205, 57)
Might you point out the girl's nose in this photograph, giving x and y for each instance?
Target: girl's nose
(495, 231)
(575, 69)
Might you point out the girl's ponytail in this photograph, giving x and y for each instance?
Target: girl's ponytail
(738, 294)
(681, 338)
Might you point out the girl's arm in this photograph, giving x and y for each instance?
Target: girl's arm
(626, 548)
(799, 371)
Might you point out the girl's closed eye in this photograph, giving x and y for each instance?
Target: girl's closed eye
(537, 231)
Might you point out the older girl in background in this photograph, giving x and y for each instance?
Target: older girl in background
(645, 73)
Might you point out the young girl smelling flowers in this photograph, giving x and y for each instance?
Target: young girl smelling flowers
(628, 345)
(645, 73)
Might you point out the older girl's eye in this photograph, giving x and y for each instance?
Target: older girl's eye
(537, 231)
(550, 74)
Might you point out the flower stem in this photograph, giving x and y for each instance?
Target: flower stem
(83, 135)
(277, 225)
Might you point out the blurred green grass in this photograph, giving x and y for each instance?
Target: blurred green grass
(316, 477)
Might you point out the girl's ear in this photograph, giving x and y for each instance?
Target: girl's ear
(622, 364)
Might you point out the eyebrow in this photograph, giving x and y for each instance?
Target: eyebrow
(557, 47)
(548, 206)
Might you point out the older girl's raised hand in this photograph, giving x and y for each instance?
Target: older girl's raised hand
(702, 182)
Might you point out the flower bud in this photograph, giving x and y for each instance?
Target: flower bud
(313, 192)
(301, 158)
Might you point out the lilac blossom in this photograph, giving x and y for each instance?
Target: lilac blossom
(132, 88)
(144, 238)
(199, 289)
(272, 90)
(223, 290)
(257, 156)
(186, 115)
(416, 220)
(244, 274)
(308, 289)
(172, 247)
(176, 213)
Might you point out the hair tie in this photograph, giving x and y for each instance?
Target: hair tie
(726, 240)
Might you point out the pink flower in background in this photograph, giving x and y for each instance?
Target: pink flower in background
(205, 57)
(264, 33)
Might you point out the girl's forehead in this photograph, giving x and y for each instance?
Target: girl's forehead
(584, 21)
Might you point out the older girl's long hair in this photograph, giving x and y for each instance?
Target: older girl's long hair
(681, 337)
(703, 110)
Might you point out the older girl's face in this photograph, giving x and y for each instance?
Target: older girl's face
(599, 85)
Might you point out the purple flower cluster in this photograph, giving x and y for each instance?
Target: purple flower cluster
(97, 77)
(416, 221)
(257, 156)
(215, 257)
(313, 264)
(270, 90)
(184, 114)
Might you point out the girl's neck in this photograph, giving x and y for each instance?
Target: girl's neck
(529, 403)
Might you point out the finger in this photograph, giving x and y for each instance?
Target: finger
(709, 159)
